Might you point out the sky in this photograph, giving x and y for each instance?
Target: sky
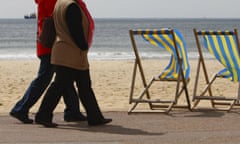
(138, 8)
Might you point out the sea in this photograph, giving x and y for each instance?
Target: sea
(111, 40)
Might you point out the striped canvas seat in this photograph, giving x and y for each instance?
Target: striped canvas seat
(224, 47)
(166, 41)
(177, 70)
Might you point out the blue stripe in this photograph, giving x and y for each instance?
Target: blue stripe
(212, 45)
(161, 45)
(173, 55)
(230, 51)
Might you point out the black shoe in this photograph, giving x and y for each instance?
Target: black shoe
(101, 122)
(23, 118)
(46, 123)
(76, 118)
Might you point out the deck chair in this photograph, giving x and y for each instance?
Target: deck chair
(223, 46)
(177, 70)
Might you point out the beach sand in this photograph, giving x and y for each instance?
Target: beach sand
(111, 81)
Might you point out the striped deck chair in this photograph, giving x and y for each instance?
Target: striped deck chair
(224, 46)
(176, 71)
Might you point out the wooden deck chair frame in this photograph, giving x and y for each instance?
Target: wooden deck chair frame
(156, 104)
(229, 102)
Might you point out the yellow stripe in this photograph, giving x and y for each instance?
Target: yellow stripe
(229, 57)
(203, 32)
(235, 75)
(162, 31)
(147, 31)
(183, 51)
(150, 40)
(139, 31)
(211, 32)
(166, 72)
(155, 31)
(236, 52)
(172, 67)
(226, 51)
(218, 49)
(209, 45)
(162, 42)
(170, 41)
(219, 32)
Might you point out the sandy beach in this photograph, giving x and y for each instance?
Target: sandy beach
(111, 82)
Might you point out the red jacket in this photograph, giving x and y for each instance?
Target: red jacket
(45, 9)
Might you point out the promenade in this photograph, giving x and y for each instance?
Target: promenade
(179, 127)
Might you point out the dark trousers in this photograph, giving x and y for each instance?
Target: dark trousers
(39, 85)
(65, 77)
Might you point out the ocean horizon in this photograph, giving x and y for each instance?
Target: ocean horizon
(111, 40)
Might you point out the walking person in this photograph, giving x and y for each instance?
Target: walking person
(45, 74)
(74, 27)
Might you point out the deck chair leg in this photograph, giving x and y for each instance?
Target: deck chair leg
(208, 88)
(145, 91)
(184, 87)
(196, 102)
(133, 82)
(170, 107)
(238, 98)
(132, 108)
(187, 95)
(235, 102)
(231, 105)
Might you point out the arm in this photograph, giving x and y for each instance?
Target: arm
(74, 23)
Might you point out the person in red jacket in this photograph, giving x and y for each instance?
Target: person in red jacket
(74, 29)
(45, 74)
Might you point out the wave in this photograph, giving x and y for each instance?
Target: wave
(105, 55)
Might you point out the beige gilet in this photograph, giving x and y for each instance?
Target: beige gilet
(65, 52)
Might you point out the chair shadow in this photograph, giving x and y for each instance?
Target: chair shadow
(200, 112)
(204, 112)
(111, 129)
